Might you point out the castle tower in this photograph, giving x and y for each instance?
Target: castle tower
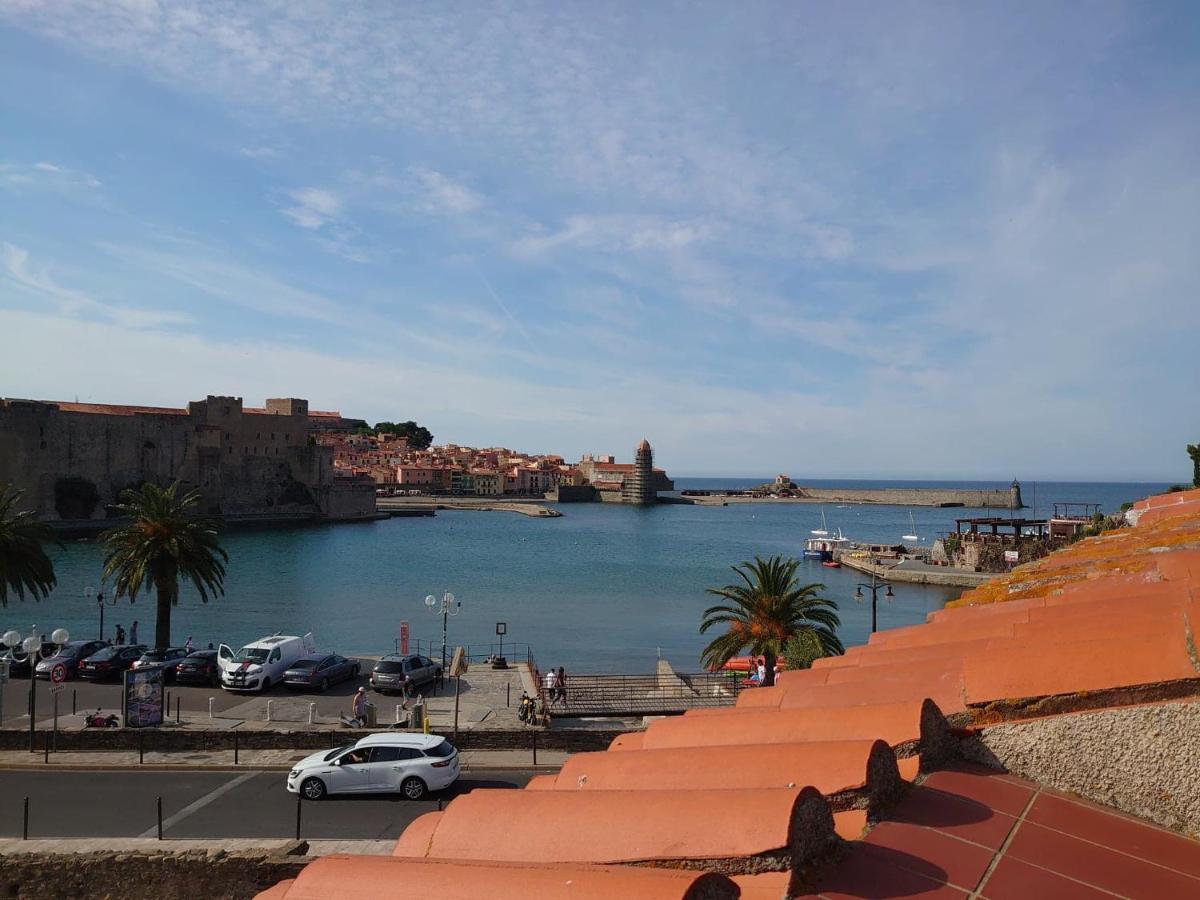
(638, 486)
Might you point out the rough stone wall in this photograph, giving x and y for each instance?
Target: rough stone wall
(138, 875)
(1144, 760)
(73, 465)
(917, 497)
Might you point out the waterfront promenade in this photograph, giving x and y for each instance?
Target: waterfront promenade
(913, 571)
(533, 508)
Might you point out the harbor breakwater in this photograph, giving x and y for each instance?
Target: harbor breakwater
(1009, 498)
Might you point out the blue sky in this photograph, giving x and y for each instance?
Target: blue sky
(905, 239)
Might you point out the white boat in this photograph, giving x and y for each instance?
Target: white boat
(823, 548)
(822, 531)
(913, 525)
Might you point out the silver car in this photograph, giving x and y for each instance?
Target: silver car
(391, 673)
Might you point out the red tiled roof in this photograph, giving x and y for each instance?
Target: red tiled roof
(109, 409)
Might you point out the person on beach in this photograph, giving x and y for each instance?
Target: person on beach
(120, 638)
(133, 632)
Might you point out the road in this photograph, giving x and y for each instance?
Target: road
(207, 805)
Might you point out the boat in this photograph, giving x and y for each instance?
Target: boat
(822, 531)
(913, 526)
(831, 564)
(822, 547)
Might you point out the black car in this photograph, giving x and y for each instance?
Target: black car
(165, 658)
(68, 658)
(320, 671)
(111, 662)
(198, 667)
(18, 660)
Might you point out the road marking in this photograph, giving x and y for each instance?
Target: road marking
(195, 805)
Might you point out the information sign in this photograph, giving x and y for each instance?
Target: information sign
(143, 697)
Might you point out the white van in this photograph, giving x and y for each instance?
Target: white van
(261, 663)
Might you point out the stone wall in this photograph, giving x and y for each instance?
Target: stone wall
(1005, 499)
(74, 460)
(144, 874)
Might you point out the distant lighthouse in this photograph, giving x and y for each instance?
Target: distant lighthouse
(638, 486)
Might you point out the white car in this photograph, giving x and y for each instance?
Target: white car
(390, 763)
(261, 664)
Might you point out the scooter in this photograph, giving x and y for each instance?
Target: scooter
(526, 710)
(97, 720)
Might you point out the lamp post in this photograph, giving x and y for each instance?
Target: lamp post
(32, 646)
(873, 587)
(448, 607)
(90, 593)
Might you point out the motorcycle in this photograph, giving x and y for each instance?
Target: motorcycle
(99, 720)
(526, 710)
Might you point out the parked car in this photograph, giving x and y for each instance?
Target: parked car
(110, 662)
(262, 663)
(320, 670)
(68, 657)
(165, 658)
(198, 667)
(390, 672)
(395, 763)
(18, 659)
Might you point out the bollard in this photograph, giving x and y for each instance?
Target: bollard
(141, 747)
(167, 702)
(25, 823)
(235, 748)
(74, 691)
(160, 818)
(331, 741)
(177, 721)
(439, 804)
(535, 748)
(312, 713)
(508, 694)
(397, 713)
(210, 707)
(298, 801)
(46, 759)
(270, 703)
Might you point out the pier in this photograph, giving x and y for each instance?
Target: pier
(913, 571)
(1009, 498)
(532, 508)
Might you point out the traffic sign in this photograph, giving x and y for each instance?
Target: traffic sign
(58, 674)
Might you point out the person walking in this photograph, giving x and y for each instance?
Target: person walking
(133, 632)
(187, 645)
(120, 636)
(551, 685)
(562, 685)
(358, 709)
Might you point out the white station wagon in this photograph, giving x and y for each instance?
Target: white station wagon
(393, 763)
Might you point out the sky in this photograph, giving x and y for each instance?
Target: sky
(906, 240)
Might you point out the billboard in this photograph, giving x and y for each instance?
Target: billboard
(143, 705)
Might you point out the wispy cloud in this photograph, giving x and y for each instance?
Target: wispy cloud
(43, 174)
(313, 207)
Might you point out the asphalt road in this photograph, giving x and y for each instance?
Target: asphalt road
(207, 805)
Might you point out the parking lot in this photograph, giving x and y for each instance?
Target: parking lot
(122, 803)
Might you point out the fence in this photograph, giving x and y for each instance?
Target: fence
(642, 695)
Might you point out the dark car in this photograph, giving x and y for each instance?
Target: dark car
(320, 671)
(110, 662)
(68, 657)
(391, 672)
(165, 658)
(18, 660)
(198, 667)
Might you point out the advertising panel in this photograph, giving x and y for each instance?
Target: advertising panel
(143, 698)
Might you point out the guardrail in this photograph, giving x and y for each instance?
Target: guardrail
(642, 695)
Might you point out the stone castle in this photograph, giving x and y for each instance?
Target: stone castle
(607, 480)
(72, 460)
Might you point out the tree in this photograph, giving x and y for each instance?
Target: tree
(767, 610)
(1194, 452)
(800, 651)
(162, 543)
(419, 437)
(24, 565)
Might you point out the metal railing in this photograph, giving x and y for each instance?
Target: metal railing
(641, 695)
(475, 652)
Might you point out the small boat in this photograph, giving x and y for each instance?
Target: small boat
(831, 564)
(822, 547)
(913, 526)
(822, 531)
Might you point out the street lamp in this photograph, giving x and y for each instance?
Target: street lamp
(448, 607)
(873, 587)
(90, 593)
(32, 646)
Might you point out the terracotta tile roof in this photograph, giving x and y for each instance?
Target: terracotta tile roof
(757, 791)
(109, 409)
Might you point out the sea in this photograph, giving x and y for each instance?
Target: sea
(605, 588)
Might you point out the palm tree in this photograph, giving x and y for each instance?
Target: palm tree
(767, 610)
(24, 565)
(161, 544)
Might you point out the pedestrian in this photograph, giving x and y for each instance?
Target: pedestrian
(187, 645)
(133, 632)
(120, 635)
(359, 707)
(210, 646)
(762, 670)
(562, 685)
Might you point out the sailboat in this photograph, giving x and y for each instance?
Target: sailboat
(822, 531)
(913, 526)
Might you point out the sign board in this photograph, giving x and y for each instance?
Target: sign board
(403, 638)
(458, 662)
(143, 699)
(57, 688)
(501, 628)
(58, 674)
(1011, 555)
